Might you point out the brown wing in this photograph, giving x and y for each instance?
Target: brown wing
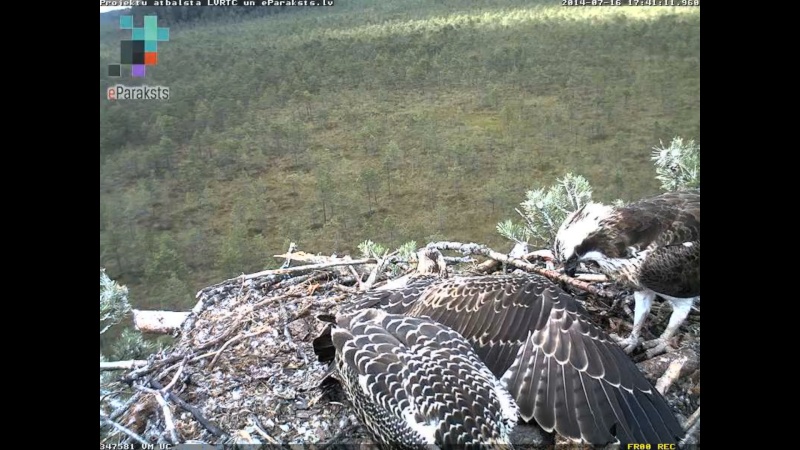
(666, 219)
(406, 374)
(393, 301)
(673, 270)
(562, 370)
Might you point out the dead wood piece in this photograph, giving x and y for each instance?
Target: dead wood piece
(373, 276)
(693, 429)
(107, 421)
(692, 419)
(121, 410)
(301, 269)
(670, 375)
(122, 365)
(158, 322)
(213, 429)
(138, 373)
(654, 368)
(477, 249)
(592, 277)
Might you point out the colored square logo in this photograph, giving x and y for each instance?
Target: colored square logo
(141, 49)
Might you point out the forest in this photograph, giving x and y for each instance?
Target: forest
(390, 121)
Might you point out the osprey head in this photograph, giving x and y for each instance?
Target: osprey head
(577, 238)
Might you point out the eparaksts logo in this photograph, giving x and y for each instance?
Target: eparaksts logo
(120, 92)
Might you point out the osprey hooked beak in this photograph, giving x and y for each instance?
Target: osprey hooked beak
(571, 265)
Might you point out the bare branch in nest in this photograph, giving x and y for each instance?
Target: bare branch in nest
(169, 423)
(175, 378)
(301, 269)
(107, 421)
(208, 425)
(692, 419)
(477, 249)
(122, 365)
(692, 427)
(672, 374)
(138, 373)
(121, 410)
(373, 276)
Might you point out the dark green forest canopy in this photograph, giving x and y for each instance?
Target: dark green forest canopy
(390, 121)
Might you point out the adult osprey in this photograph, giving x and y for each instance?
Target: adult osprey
(651, 246)
(560, 368)
(415, 382)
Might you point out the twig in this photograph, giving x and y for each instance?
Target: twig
(213, 429)
(238, 338)
(122, 365)
(134, 436)
(121, 410)
(691, 426)
(527, 219)
(169, 424)
(692, 419)
(378, 268)
(358, 279)
(670, 375)
(138, 373)
(592, 277)
(300, 269)
(477, 249)
(175, 378)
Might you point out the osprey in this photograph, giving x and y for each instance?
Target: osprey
(651, 247)
(415, 382)
(562, 370)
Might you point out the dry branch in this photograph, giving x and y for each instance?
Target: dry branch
(106, 421)
(672, 373)
(301, 269)
(169, 423)
(477, 249)
(213, 429)
(122, 365)
(158, 322)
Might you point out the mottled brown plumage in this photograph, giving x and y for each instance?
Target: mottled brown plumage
(562, 370)
(651, 246)
(415, 383)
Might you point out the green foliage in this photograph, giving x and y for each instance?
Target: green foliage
(131, 345)
(370, 249)
(545, 209)
(114, 303)
(407, 251)
(514, 231)
(678, 165)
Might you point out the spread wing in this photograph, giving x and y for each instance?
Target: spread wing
(561, 369)
(417, 381)
(393, 301)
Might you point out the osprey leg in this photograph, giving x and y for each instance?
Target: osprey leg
(644, 301)
(680, 311)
